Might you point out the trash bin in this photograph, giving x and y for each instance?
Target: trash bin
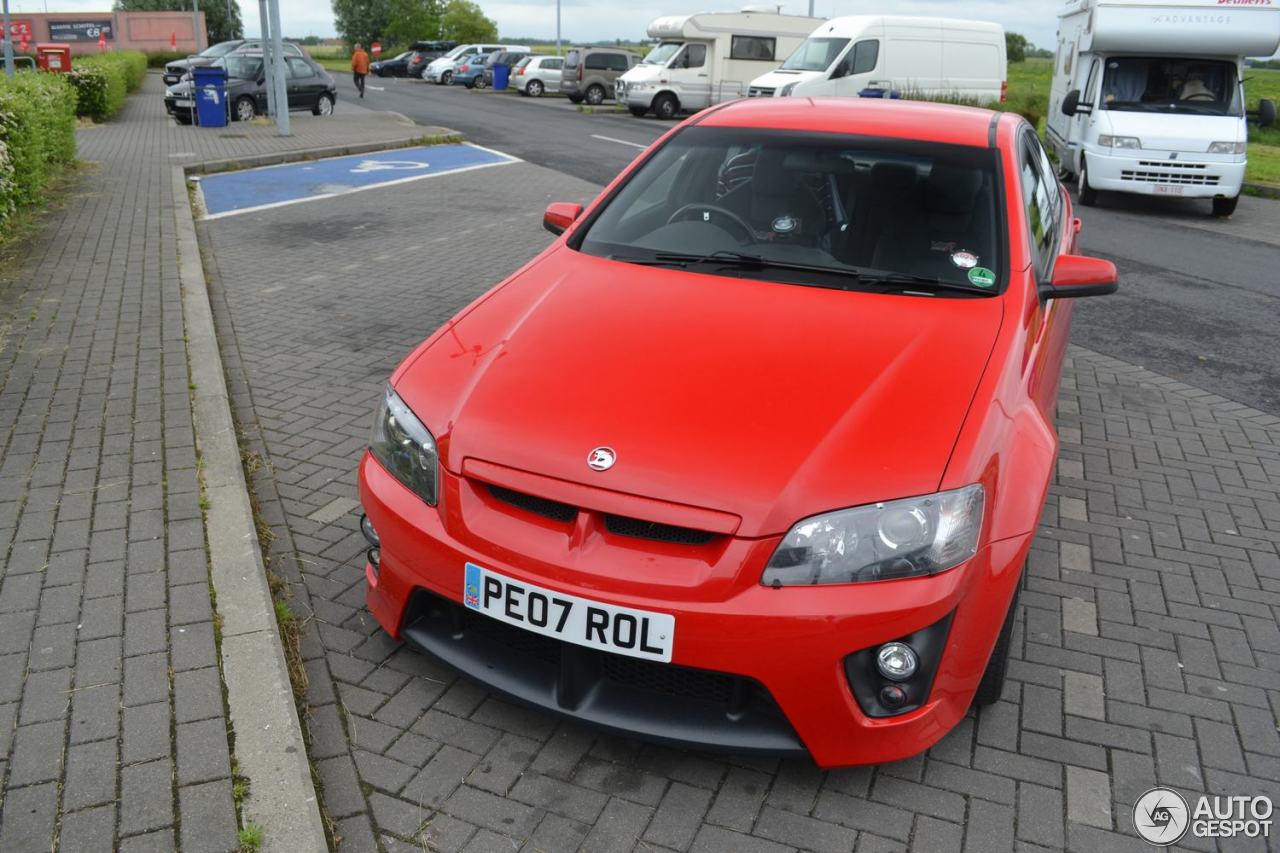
(893, 94)
(210, 90)
(501, 76)
(53, 57)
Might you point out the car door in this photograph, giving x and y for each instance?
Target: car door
(691, 70)
(304, 84)
(555, 69)
(857, 69)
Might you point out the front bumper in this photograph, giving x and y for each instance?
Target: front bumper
(791, 642)
(1165, 173)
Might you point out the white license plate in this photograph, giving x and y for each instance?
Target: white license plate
(1168, 189)
(594, 624)
(183, 103)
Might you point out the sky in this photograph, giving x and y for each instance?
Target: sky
(599, 20)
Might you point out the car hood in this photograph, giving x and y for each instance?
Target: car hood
(1181, 132)
(768, 401)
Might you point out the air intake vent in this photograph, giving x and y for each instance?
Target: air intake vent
(536, 505)
(638, 529)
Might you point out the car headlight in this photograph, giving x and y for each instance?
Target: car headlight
(1227, 147)
(787, 90)
(1119, 141)
(405, 447)
(885, 541)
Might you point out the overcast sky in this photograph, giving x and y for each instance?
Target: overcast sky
(588, 20)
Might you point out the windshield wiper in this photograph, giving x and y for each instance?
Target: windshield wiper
(924, 282)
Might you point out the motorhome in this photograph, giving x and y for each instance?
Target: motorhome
(1148, 95)
(704, 59)
(865, 54)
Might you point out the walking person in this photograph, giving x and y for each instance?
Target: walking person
(359, 67)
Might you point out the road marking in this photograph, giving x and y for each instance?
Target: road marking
(376, 88)
(619, 141)
(389, 165)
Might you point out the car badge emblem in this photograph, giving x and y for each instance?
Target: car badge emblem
(601, 459)
(785, 224)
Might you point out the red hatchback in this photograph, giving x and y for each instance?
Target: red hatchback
(750, 458)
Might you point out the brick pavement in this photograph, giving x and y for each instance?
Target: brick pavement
(1146, 650)
(112, 734)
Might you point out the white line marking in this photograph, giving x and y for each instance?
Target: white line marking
(275, 204)
(619, 141)
(375, 88)
(403, 149)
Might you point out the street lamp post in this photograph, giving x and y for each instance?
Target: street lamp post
(195, 22)
(264, 38)
(558, 28)
(8, 45)
(277, 52)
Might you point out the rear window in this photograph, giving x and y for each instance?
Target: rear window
(572, 58)
(752, 47)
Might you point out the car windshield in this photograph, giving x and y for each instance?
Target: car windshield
(662, 54)
(526, 61)
(220, 49)
(810, 208)
(1150, 84)
(815, 54)
(401, 56)
(242, 67)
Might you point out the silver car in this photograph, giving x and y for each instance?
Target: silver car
(534, 75)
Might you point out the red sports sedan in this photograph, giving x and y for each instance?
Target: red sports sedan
(751, 457)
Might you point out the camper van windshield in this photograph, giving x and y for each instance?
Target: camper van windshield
(662, 54)
(818, 209)
(816, 54)
(1146, 84)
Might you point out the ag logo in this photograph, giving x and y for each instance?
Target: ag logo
(1161, 816)
(601, 459)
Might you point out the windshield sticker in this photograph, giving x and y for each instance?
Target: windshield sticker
(982, 277)
(965, 260)
(941, 246)
(785, 224)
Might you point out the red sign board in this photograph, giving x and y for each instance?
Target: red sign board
(20, 30)
(376, 48)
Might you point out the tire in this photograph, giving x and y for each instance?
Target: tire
(182, 119)
(666, 107)
(638, 112)
(534, 89)
(574, 99)
(470, 84)
(1225, 206)
(324, 105)
(992, 684)
(1088, 195)
(446, 79)
(595, 94)
(244, 109)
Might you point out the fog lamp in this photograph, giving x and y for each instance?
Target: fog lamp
(896, 661)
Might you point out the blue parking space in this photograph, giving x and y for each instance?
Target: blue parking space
(272, 186)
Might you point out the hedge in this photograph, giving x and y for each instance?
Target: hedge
(37, 136)
(161, 58)
(102, 81)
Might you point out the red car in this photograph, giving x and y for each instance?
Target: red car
(751, 457)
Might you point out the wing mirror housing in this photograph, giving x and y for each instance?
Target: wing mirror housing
(1076, 275)
(1071, 104)
(1266, 114)
(560, 215)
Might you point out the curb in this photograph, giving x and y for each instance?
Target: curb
(268, 735)
(431, 137)
(1262, 190)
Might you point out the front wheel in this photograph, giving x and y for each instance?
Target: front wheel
(245, 109)
(1225, 206)
(992, 684)
(638, 112)
(1088, 195)
(534, 89)
(481, 83)
(446, 79)
(324, 105)
(665, 106)
(595, 94)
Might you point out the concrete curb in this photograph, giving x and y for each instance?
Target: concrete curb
(1262, 190)
(430, 136)
(268, 735)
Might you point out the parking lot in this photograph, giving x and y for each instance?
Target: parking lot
(1147, 645)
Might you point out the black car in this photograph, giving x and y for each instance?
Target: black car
(174, 71)
(396, 66)
(421, 53)
(308, 85)
(509, 58)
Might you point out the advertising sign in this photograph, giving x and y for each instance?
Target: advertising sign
(81, 30)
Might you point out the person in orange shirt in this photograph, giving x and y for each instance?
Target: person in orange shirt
(359, 67)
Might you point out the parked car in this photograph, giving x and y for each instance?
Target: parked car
(537, 74)
(509, 58)
(470, 70)
(424, 53)
(590, 72)
(396, 66)
(440, 71)
(798, 525)
(308, 86)
(174, 71)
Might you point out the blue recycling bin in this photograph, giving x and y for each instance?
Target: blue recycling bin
(501, 76)
(210, 90)
(893, 94)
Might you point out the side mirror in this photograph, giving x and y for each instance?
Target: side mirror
(1071, 104)
(560, 215)
(1266, 112)
(1077, 275)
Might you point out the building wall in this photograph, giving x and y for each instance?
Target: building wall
(147, 31)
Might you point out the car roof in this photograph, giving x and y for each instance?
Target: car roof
(932, 122)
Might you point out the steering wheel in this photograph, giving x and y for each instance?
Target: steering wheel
(746, 233)
(1201, 96)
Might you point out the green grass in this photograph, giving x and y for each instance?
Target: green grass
(250, 838)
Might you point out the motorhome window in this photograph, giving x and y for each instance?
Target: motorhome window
(695, 56)
(662, 53)
(815, 54)
(752, 47)
(1151, 84)
(832, 204)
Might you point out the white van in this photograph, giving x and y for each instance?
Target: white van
(440, 71)
(884, 53)
(1147, 95)
(708, 58)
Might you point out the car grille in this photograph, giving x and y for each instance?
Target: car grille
(1169, 172)
(619, 525)
(760, 92)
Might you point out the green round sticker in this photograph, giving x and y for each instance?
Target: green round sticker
(982, 277)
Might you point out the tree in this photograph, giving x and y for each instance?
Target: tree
(1016, 46)
(413, 20)
(463, 21)
(361, 21)
(221, 27)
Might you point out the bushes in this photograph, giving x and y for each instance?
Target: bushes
(37, 136)
(103, 81)
(159, 59)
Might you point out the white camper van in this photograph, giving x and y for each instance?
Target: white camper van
(1147, 95)
(704, 59)
(847, 56)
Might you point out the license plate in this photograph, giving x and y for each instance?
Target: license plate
(183, 103)
(594, 624)
(1168, 189)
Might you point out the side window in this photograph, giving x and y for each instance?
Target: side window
(695, 56)
(552, 64)
(292, 49)
(618, 62)
(752, 47)
(1042, 201)
(597, 61)
(298, 68)
(1088, 93)
(865, 56)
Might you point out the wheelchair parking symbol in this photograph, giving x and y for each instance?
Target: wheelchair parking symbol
(366, 166)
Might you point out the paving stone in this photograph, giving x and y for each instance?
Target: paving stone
(146, 733)
(678, 817)
(806, 832)
(146, 796)
(91, 829)
(91, 775)
(28, 819)
(202, 751)
(1088, 797)
(208, 818)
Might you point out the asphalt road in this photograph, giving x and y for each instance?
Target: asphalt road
(1199, 298)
